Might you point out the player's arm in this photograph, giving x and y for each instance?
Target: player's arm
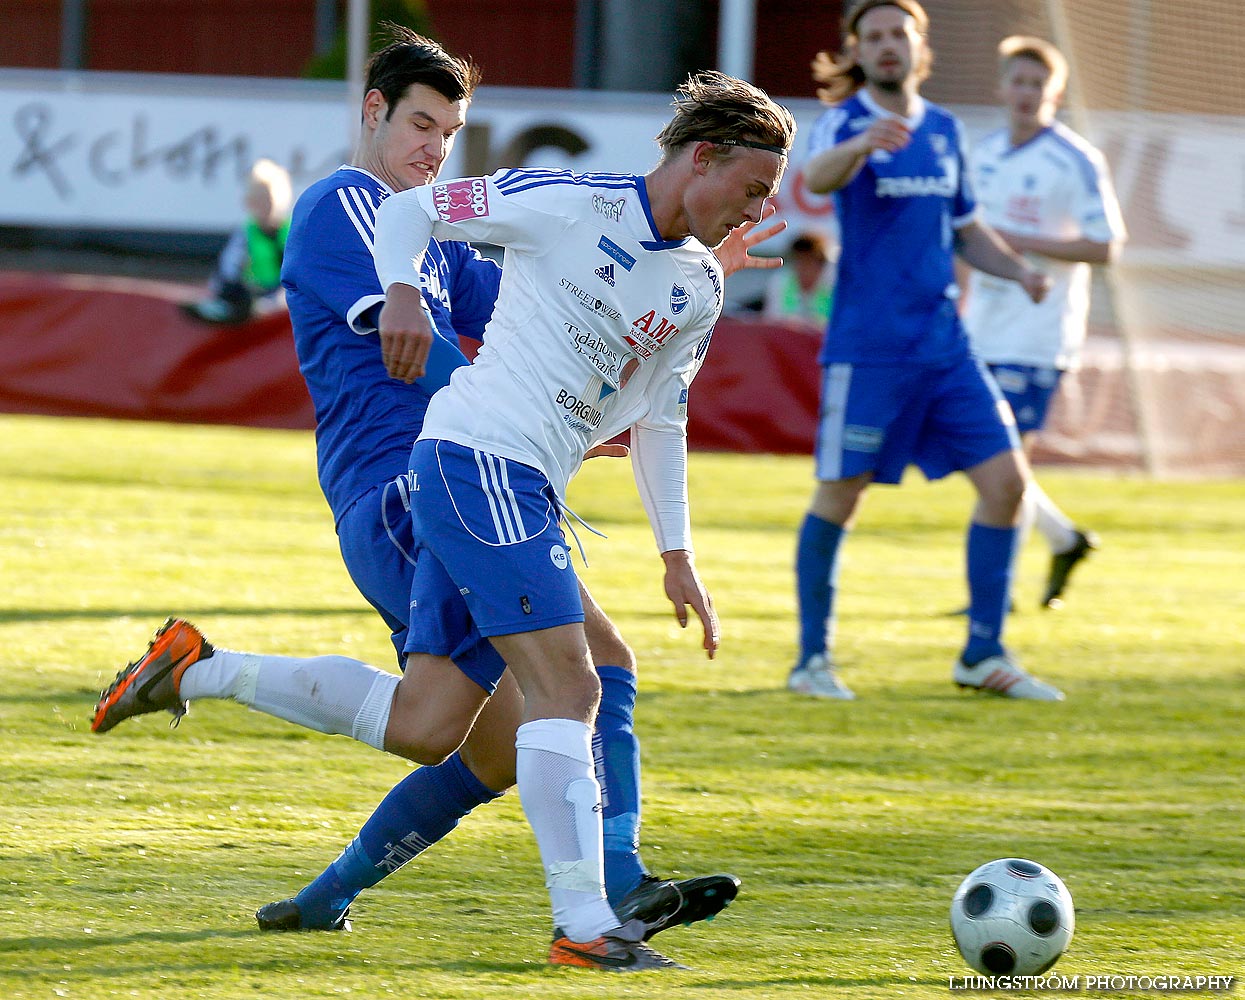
(835, 167)
(1075, 251)
(659, 459)
(981, 247)
(473, 208)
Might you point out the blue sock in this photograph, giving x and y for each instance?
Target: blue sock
(816, 579)
(418, 811)
(991, 555)
(617, 754)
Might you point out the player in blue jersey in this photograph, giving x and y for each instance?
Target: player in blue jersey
(415, 104)
(900, 384)
(1048, 193)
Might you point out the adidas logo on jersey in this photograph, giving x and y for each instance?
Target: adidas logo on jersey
(606, 274)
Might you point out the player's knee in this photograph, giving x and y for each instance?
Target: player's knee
(493, 765)
(1010, 490)
(608, 647)
(573, 692)
(422, 741)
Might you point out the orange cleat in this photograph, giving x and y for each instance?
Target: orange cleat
(610, 953)
(150, 683)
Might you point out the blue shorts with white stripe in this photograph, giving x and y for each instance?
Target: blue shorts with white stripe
(492, 528)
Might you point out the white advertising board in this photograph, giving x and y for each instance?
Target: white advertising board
(170, 153)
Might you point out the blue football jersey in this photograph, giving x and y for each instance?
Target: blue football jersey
(895, 297)
(366, 421)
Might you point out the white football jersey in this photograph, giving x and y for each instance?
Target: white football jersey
(600, 324)
(1055, 186)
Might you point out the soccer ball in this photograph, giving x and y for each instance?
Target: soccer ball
(1012, 918)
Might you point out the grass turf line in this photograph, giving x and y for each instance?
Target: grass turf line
(132, 863)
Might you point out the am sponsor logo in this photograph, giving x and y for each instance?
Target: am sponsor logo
(649, 333)
(459, 200)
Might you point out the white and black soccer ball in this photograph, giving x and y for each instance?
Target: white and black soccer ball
(1012, 917)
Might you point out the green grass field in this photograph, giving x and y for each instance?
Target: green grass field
(132, 863)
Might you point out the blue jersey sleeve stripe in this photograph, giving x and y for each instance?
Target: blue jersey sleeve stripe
(1081, 159)
(564, 182)
(525, 180)
(355, 216)
(367, 207)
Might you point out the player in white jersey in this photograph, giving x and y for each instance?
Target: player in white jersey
(414, 105)
(608, 299)
(1048, 193)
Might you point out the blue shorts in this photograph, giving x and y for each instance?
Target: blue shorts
(883, 418)
(491, 528)
(378, 546)
(1029, 390)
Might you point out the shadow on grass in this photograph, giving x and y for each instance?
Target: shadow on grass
(81, 942)
(12, 615)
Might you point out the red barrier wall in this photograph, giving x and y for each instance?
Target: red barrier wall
(119, 347)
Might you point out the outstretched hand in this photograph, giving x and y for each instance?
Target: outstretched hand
(733, 252)
(685, 590)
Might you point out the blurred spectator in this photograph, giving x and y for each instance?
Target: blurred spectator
(803, 289)
(248, 273)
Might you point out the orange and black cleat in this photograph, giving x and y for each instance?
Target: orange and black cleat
(150, 683)
(612, 952)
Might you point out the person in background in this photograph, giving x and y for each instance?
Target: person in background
(1048, 194)
(900, 384)
(247, 279)
(803, 289)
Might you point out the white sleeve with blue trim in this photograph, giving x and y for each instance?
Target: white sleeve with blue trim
(473, 208)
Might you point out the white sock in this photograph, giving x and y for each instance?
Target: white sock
(562, 800)
(1059, 531)
(330, 694)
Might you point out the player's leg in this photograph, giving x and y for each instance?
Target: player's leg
(493, 525)
(1068, 543)
(1030, 391)
(420, 810)
(969, 427)
(631, 890)
(428, 803)
(993, 537)
(843, 465)
(830, 516)
(615, 749)
(322, 693)
(336, 695)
